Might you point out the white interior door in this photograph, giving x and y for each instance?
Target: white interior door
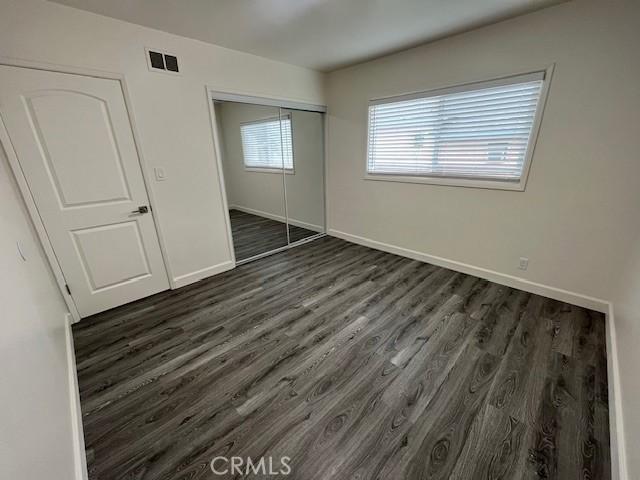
(73, 139)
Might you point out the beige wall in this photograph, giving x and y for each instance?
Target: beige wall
(171, 112)
(262, 191)
(35, 414)
(579, 217)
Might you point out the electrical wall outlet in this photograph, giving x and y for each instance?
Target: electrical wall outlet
(524, 263)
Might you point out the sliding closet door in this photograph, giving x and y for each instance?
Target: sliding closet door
(304, 175)
(254, 159)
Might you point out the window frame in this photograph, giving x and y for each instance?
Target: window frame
(453, 181)
(278, 170)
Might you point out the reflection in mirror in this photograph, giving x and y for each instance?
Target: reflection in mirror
(254, 155)
(304, 182)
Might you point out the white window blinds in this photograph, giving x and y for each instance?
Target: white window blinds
(264, 146)
(479, 131)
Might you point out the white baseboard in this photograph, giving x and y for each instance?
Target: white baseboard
(193, 277)
(278, 218)
(79, 453)
(491, 275)
(618, 455)
(616, 423)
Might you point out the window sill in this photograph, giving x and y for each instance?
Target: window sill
(269, 170)
(518, 186)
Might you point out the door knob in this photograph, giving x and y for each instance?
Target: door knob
(141, 209)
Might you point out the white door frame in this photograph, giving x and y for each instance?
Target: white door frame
(223, 190)
(14, 162)
(214, 93)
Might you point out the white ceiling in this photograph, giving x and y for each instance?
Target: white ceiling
(320, 34)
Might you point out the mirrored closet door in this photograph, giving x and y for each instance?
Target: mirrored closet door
(304, 182)
(273, 167)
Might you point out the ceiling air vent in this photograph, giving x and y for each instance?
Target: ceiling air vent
(171, 63)
(162, 61)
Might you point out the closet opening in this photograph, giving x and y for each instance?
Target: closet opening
(272, 163)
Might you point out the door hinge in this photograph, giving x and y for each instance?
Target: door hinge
(68, 289)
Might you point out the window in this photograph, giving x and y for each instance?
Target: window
(482, 132)
(265, 146)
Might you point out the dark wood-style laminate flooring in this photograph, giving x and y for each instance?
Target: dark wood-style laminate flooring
(356, 364)
(253, 234)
